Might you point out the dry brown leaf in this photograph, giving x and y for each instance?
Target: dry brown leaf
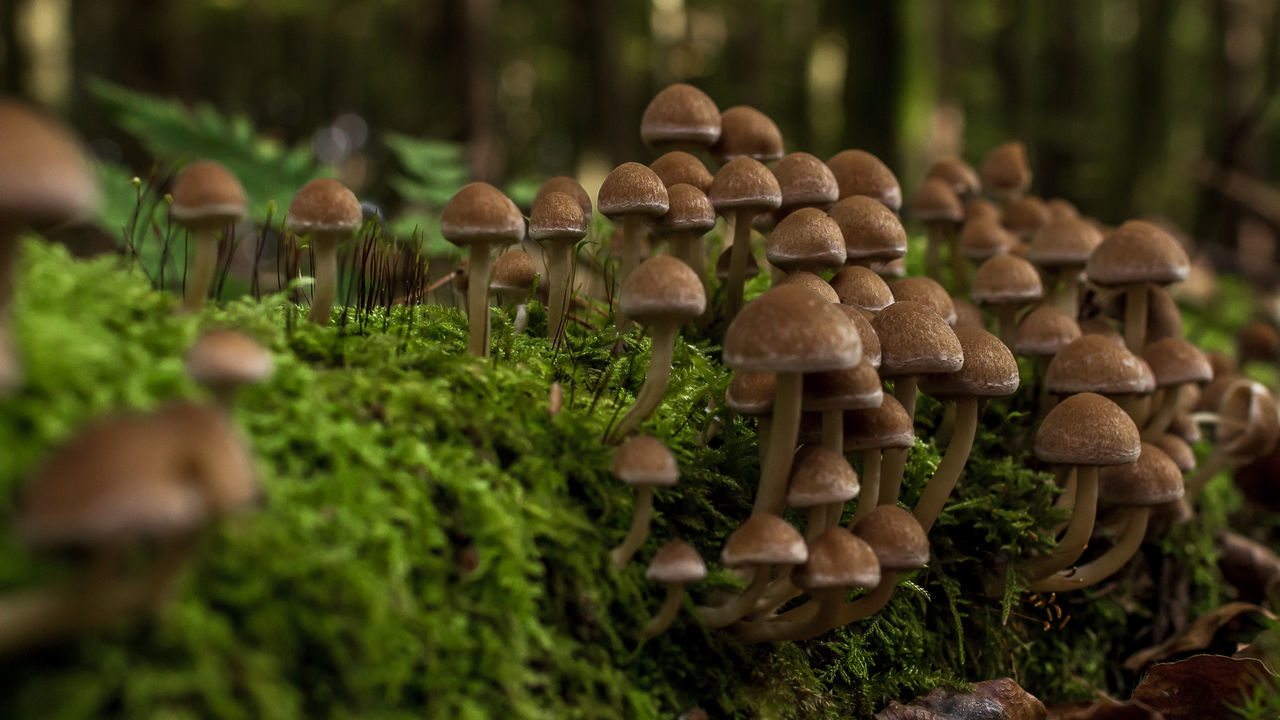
(1202, 686)
(1197, 636)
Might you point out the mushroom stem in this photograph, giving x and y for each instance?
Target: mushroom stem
(869, 495)
(741, 604)
(478, 299)
(632, 236)
(681, 247)
(948, 473)
(787, 625)
(522, 318)
(871, 603)
(738, 263)
(655, 381)
(959, 266)
(666, 614)
(1135, 317)
(326, 274)
(1006, 321)
(10, 368)
(204, 264)
(785, 428)
(639, 531)
(1217, 461)
(560, 279)
(1159, 422)
(1076, 539)
(937, 236)
(817, 523)
(833, 430)
(1107, 564)
(1068, 497)
(826, 618)
(895, 463)
(904, 389)
(1066, 296)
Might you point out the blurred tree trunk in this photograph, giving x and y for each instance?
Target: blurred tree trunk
(1010, 61)
(483, 142)
(603, 114)
(1060, 105)
(1147, 118)
(10, 57)
(872, 80)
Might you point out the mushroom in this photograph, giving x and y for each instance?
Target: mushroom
(512, 279)
(1061, 249)
(788, 330)
(814, 283)
(858, 287)
(981, 239)
(677, 564)
(680, 117)
(871, 231)
(751, 393)
(633, 195)
(858, 172)
(689, 217)
(645, 462)
(1138, 253)
(763, 542)
(806, 182)
(558, 223)
(1097, 364)
(1025, 216)
(936, 205)
(207, 197)
(885, 430)
(569, 186)
(680, 168)
(663, 294)
(225, 360)
(1041, 334)
(1061, 209)
(807, 239)
(927, 292)
(962, 179)
(45, 178)
(743, 188)
(822, 481)
(1177, 365)
(1247, 428)
(327, 212)
(835, 391)
(989, 370)
(967, 314)
(1008, 283)
(745, 132)
(479, 217)
(1005, 172)
(914, 341)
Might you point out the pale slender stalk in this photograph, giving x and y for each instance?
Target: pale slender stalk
(904, 390)
(817, 523)
(869, 496)
(833, 431)
(1158, 425)
(204, 264)
(680, 246)
(948, 473)
(639, 531)
(937, 237)
(959, 266)
(1066, 296)
(666, 614)
(655, 381)
(521, 322)
(1135, 318)
(1076, 539)
(1006, 321)
(1217, 461)
(741, 604)
(1107, 564)
(894, 465)
(326, 275)
(1133, 406)
(738, 263)
(478, 299)
(1068, 496)
(788, 625)
(785, 428)
(632, 236)
(871, 603)
(560, 280)
(826, 618)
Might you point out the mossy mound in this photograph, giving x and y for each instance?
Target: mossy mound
(434, 543)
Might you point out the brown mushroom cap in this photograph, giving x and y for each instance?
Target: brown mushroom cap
(981, 208)
(927, 292)
(569, 186)
(557, 216)
(747, 132)
(678, 167)
(806, 181)
(858, 172)
(325, 205)
(1061, 209)
(807, 239)
(813, 283)
(791, 329)
(1096, 364)
(726, 257)
(861, 288)
(895, 268)
(1006, 170)
(662, 287)
(206, 192)
(1175, 361)
(896, 537)
(1065, 242)
(1178, 451)
(967, 314)
(1044, 332)
(1025, 216)
(680, 113)
(744, 184)
(870, 341)
(1087, 429)
(479, 212)
(935, 200)
(751, 393)
(915, 340)
(1006, 280)
(676, 562)
(764, 540)
(885, 426)
(632, 189)
(1253, 408)
(689, 211)
(228, 357)
(820, 476)
(1100, 327)
(855, 388)
(871, 230)
(989, 369)
(959, 176)
(513, 270)
(645, 460)
(1153, 480)
(984, 238)
(837, 559)
(47, 176)
(1138, 252)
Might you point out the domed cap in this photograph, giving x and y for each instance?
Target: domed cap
(927, 292)
(989, 369)
(858, 172)
(959, 176)
(557, 216)
(967, 314)
(871, 230)
(984, 238)
(1256, 424)
(861, 288)
(886, 426)
(1005, 171)
(855, 388)
(751, 393)
(726, 257)
(227, 358)
(325, 205)
(680, 114)
(1025, 216)
(632, 189)
(513, 270)
(45, 174)
(1087, 429)
(744, 184)
(870, 341)
(820, 476)
(1178, 451)
(981, 208)
(896, 537)
(807, 239)
(1067, 242)
(936, 201)
(791, 329)
(915, 340)
(1175, 361)
(1094, 363)
(644, 460)
(894, 268)
(839, 558)
(747, 132)
(1153, 480)
(1061, 209)
(1100, 327)
(680, 168)
(813, 283)
(764, 540)
(568, 186)
(1044, 332)
(1138, 252)
(676, 562)
(1006, 280)
(662, 287)
(479, 212)
(806, 181)
(689, 211)
(206, 192)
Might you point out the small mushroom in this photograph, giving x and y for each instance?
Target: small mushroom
(677, 564)
(927, 292)
(742, 189)
(558, 223)
(822, 481)
(689, 217)
(479, 217)
(962, 179)
(645, 462)
(634, 196)
(885, 431)
(871, 231)
(680, 117)
(327, 212)
(1007, 283)
(858, 172)
(745, 132)
(1025, 216)
(806, 182)
(1061, 249)
(680, 168)
(764, 542)
(1137, 254)
(860, 288)
(512, 279)
(1177, 366)
(806, 240)
(226, 360)
(1005, 172)
(936, 205)
(207, 197)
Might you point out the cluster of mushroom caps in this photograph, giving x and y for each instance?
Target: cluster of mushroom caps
(1119, 397)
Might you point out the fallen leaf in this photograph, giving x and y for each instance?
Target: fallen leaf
(1000, 699)
(1197, 636)
(1202, 686)
(1248, 565)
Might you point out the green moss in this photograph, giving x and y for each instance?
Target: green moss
(433, 543)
